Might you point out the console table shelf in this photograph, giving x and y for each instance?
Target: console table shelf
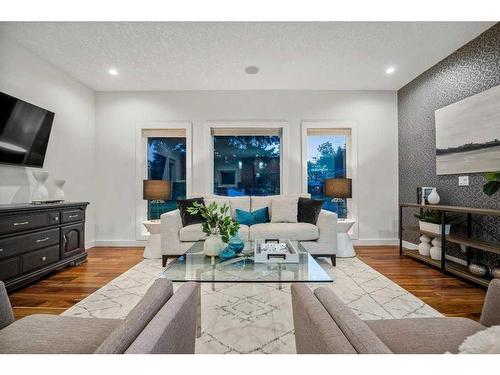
(464, 240)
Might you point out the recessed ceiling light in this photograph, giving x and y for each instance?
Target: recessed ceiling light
(390, 70)
(113, 72)
(251, 69)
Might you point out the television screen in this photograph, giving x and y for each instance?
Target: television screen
(24, 132)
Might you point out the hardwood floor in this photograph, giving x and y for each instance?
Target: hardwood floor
(447, 294)
(61, 290)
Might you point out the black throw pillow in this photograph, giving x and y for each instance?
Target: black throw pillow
(186, 217)
(308, 210)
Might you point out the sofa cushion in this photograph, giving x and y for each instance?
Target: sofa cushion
(424, 335)
(289, 231)
(186, 217)
(52, 334)
(138, 318)
(259, 216)
(193, 233)
(241, 203)
(284, 210)
(257, 202)
(308, 210)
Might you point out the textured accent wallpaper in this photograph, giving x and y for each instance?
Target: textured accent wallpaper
(470, 70)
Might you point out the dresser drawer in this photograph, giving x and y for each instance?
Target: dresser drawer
(72, 215)
(40, 258)
(17, 223)
(9, 268)
(21, 244)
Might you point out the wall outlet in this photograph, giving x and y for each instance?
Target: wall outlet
(463, 180)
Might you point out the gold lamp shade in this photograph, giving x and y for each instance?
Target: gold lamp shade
(156, 190)
(338, 188)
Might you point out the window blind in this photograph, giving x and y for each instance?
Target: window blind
(246, 131)
(164, 133)
(329, 131)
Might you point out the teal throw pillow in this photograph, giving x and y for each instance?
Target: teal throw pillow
(251, 218)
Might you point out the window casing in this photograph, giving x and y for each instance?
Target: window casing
(327, 158)
(246, 161)
(166, 160)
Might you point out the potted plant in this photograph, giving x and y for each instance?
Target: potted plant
(217, 225)
(430, 221)
(492, 184)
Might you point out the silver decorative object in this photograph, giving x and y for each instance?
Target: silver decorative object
(495, 272)
(477, 269)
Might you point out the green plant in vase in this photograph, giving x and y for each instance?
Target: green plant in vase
(492, 184)
(217, 224)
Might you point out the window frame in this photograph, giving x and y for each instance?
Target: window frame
(351, 162)
(141, 170)
(284, 141)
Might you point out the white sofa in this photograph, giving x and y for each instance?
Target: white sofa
(319, 239)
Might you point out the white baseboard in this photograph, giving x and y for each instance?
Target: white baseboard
(89, 244)
(119, 243)
(136, 243)
(375, 242)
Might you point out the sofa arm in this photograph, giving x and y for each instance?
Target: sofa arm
(6, 313)
(171, 224)
(327, 225)
(490, 316)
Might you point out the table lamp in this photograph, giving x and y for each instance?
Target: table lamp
(156, 191)
(338, 189)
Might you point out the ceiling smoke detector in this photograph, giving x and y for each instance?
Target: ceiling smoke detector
(251, 69)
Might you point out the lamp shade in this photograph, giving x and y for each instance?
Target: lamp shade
(156, 190)
(338, 188)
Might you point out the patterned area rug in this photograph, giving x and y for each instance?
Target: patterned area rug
(257, 318)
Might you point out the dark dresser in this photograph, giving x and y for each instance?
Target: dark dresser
(38, 239)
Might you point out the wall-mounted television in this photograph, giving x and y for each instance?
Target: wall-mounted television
(24, 132)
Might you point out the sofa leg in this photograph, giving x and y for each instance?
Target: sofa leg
(164, 259)
(333, 258)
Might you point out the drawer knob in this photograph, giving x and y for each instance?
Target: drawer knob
(23, 223)
(43, 239)
(44, 259)
(1, 250)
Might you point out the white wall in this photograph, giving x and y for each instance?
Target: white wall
(373, 113)
(70, 153)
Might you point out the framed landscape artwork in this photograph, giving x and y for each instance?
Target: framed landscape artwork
(468, 134)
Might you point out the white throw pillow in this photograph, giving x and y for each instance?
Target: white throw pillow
(482, 342)
(284, 210)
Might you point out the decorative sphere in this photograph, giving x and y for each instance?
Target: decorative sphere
(424, 238)
(477, 269)
(495, 272)
(436, 242)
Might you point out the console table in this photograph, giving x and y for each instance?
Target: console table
(465, 240)
(38, 239)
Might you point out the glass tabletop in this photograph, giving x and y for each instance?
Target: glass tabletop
(195, 266)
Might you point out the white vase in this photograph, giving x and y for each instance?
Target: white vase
(433, 197)
(59, 193)
(213, 245)
(41, 193)
(424, 246)
(435, 252)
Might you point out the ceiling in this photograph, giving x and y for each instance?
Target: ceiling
(214, 55)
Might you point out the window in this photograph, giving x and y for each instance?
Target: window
(246, 161)
(326, 158)
(166, 160)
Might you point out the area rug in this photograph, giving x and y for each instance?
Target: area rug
(257, 318)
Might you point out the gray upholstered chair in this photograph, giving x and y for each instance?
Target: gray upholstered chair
(162, 322)
(324, 324)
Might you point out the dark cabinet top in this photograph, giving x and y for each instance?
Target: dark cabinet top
(28, 207)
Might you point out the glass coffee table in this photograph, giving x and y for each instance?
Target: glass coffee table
(195, 266)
